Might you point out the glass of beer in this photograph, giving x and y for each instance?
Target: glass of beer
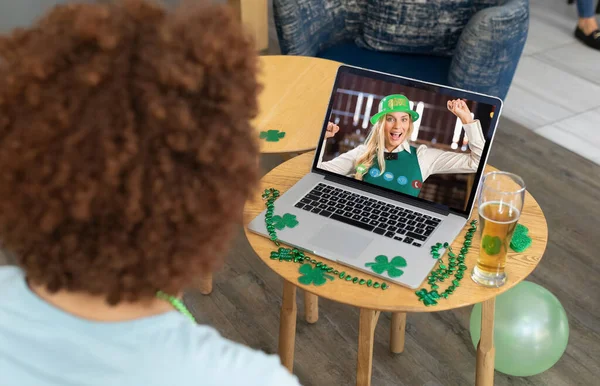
(500, 204)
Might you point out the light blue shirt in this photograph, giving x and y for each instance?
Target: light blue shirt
(40, 345)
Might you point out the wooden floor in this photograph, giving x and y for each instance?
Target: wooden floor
(245, 303)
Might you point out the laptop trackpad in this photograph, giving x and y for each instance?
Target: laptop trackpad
(341, 242)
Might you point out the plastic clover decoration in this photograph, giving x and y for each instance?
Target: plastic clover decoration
(382, 264)
(313, 275)
(272, 135)
(428, 298)
(520, 240)
(361, 169)
(282, 254)
(287, 220)
(491, 245)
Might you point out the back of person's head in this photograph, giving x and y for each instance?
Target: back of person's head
(126, 150)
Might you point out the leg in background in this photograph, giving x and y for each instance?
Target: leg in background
(587, 20)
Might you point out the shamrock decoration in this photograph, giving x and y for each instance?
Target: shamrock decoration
(361, 169)
(288, 220)
(272, 135)
(392, 267)
(491, 245)
(520, 240)
(428, 298)
(315, 275)
(282, 254)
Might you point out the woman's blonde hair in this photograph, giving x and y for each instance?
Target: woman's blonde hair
(376, 147)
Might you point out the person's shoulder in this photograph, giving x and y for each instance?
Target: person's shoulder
(10, 273)
(419, 149)
(202, 353)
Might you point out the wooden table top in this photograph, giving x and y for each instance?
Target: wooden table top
(396, 298)
(294, 100)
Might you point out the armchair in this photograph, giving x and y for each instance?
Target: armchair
(469, 44)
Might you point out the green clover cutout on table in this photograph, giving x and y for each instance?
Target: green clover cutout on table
(288, 220)
(272, 135)
(313, 275)
(491, 245)
(520, 240)
(382, 264)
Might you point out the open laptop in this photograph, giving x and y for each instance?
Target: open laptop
(424, 196)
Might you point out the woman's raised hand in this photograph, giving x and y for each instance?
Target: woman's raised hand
(459, 108)
(332, 129)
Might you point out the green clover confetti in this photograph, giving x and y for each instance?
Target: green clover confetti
(520, 240)
(272, 135)
(491, 245)
(288, 220)
(382, 264)
(315, 276)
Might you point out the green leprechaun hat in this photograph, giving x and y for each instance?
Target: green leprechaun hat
(395, 103)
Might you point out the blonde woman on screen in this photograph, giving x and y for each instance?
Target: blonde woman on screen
(387, 159)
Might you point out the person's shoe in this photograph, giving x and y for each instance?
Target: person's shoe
(591, 40)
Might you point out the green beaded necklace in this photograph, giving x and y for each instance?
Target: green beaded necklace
(456, 266)
(176, 303)
(297, 256)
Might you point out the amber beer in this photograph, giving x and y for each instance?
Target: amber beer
(500, 204)
(497, 222)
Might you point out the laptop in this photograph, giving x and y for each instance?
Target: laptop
(358, 203)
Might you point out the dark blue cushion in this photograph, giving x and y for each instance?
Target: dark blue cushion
(423, 67)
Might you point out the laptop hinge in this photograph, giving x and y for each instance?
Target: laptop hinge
(440, 209)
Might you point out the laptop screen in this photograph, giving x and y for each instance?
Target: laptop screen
(407, 137)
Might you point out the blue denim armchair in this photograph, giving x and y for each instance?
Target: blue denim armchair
(469, 44)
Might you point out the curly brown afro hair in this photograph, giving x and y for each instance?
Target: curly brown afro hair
(126, 150)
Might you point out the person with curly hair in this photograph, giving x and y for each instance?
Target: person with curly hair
(118, 187)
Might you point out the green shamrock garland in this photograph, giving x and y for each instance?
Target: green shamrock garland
(312, 275)
(272, 135)
(382, 264)
(287, 220)
(520, 240)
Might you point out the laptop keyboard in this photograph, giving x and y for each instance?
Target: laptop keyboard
(379, 217)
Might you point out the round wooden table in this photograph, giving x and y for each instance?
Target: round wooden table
(396, 299)
(294, 100)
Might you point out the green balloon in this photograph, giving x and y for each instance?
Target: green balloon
(531, 330)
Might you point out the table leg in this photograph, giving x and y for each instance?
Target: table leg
(287, 325)
(397, 332)
(205, 283)
(366, 334)
(311, 307)
(486, 352)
